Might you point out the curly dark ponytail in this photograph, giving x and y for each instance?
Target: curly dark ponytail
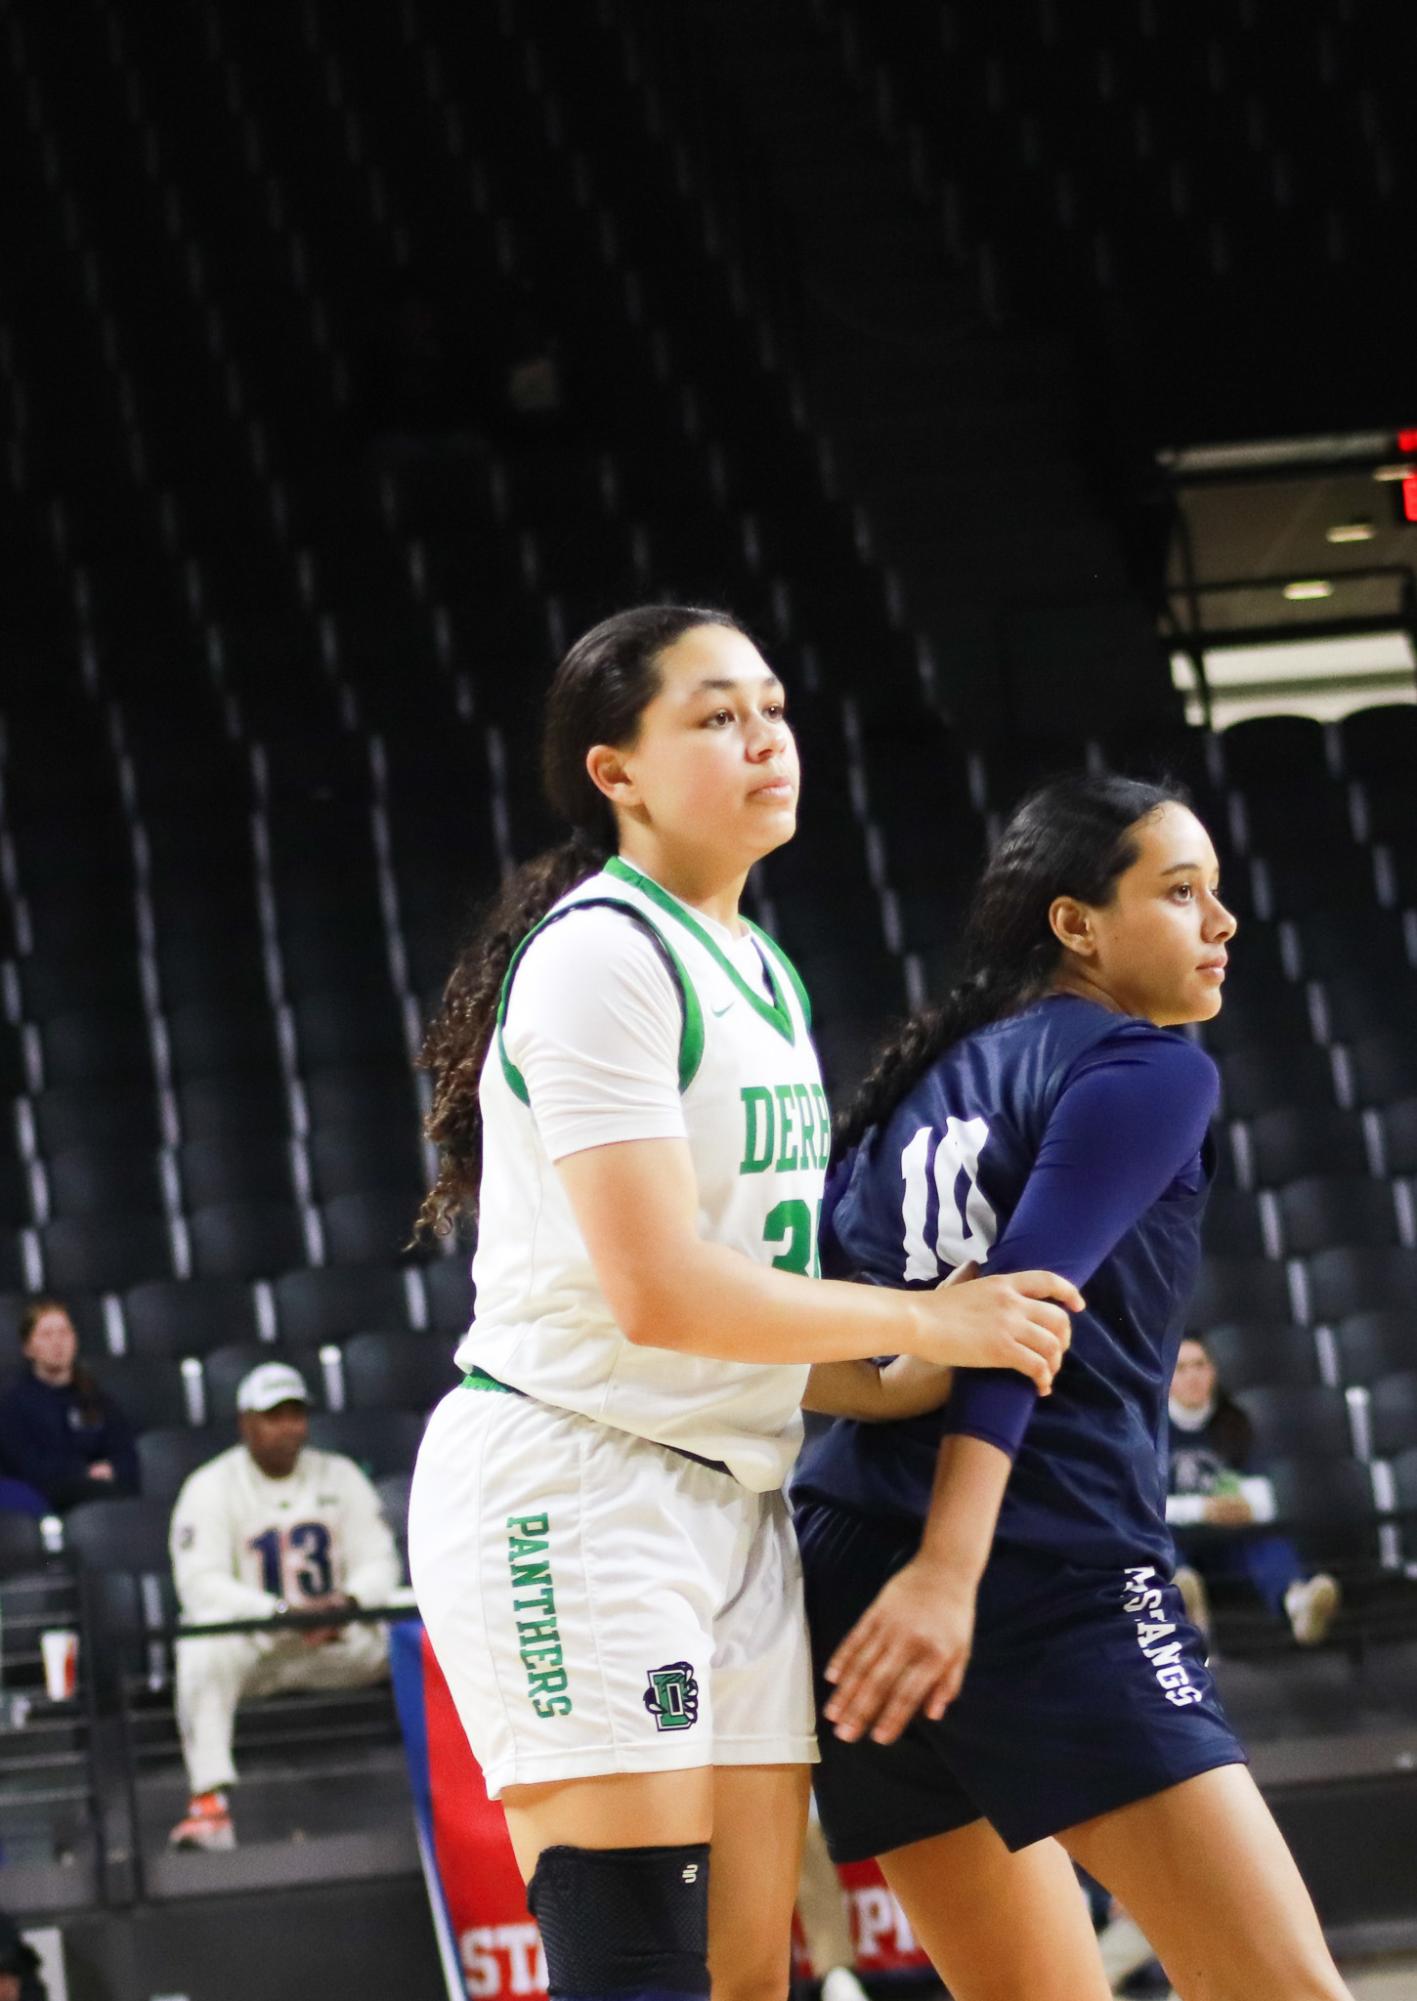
(598, 694)
(1072, 837)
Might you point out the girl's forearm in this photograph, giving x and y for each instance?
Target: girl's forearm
(905, 1387)
(970, 1478)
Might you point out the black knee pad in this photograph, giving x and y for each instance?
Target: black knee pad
(627, 1918)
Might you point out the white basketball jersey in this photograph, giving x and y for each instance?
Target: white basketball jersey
(759, 1133)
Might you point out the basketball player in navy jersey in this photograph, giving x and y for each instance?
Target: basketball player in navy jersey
(1046, 1114)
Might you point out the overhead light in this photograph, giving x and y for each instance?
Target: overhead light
(1394, 472)
(1350, 531)
(1313, 587)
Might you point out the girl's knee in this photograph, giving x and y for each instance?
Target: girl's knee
(750, 1976)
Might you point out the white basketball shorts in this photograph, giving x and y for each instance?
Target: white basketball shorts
(598, 1603)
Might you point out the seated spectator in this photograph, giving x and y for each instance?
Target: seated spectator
(1213, 1484)
(60, 1434)
(19, 1965)
(270, 1526)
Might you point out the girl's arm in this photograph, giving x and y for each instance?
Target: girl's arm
(636, 1205)
(876, 1393)
(880, 1393)
(592, 1027)
(910, 1648)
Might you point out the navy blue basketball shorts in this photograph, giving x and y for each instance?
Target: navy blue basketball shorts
(1087, 1689)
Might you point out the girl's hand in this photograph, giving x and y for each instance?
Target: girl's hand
(1017, 1320)
(907, 1653)
(904, 1387)
(1228, 1510)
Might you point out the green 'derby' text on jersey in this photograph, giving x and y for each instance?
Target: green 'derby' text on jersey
(758, 1130)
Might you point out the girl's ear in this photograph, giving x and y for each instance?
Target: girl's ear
(1071, 924)
(606, 766)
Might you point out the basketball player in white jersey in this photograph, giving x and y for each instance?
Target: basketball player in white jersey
(626, 1090)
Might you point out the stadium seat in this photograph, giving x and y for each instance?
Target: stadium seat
(150, 1390)
(1234, 1226)
(362, 1228)
(393, 1491)
(123, 1535)
(1389, 809)
(1355, 1004)
(1356, 941)
(353, 1160)
(354, 1025)
(1326, 1209)
(94, 1181)
(1265, 1008)
(1383, 1067)
(1286, 1144)
(380, 1441)
(166, 1457)
(1330, 1504)
(209, 1039)
(1263, 751)
(1298, 1422)
(16, 1195)
(246, 1239)
(96, 1048)
(1343, 1281)
(188, 1316)
(376, 1096)
(1380, 741)
(1378, 1343)
(398, 1371)
(1262, 1076)
(1399, 1132)
(21, 1543)
(1247, 1353)
(329, 1304)
(250, 1167)
(75, 1115)
(1239, 1289)
(105, 1253)
(448, 1285)
(1404, 1480)
(222, 1107)
(1393, 1413)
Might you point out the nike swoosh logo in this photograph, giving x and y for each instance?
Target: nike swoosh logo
(724, 1009)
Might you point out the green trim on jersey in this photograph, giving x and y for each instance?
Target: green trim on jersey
(691, 1035)
(779, 1016)
(787, 966)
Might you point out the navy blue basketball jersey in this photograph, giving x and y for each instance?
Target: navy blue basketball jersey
(1069, 1138)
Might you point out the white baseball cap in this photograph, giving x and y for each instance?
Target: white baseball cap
(270, 1383)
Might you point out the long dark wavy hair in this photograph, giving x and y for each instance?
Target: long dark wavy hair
(86, 1390)
(1072, 837)
(598, 694)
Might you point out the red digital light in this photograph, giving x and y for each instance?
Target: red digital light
(1407, 441)
(1409, 500)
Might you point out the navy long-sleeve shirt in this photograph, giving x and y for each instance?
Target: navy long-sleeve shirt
(1067, 1138)
(45, 1442)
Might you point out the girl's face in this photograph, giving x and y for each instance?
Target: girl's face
(712, 773)
(1193, 1384)
(1157, 949)
(52, 1346)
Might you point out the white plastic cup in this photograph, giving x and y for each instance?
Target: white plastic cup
(60, 1652)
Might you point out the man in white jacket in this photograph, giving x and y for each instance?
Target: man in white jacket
(268, 1527)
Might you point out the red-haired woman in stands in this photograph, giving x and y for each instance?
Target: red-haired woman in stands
(60, 1434)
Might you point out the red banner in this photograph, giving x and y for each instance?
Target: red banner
(491, 1932)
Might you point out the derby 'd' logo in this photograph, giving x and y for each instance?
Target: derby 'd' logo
(672, 1697)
